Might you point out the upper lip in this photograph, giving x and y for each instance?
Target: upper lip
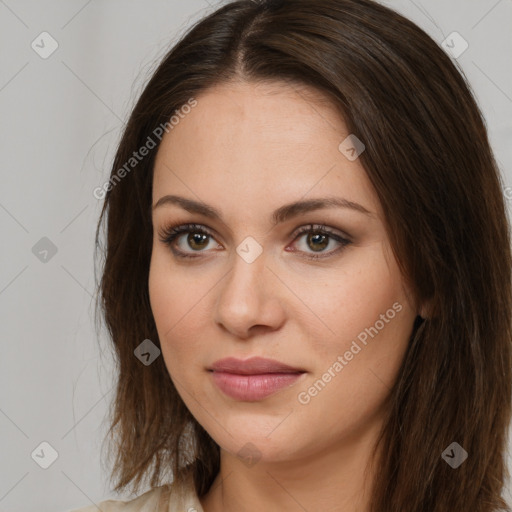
(252, 366)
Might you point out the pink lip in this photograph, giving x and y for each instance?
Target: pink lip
(252, 366)
(253, 379)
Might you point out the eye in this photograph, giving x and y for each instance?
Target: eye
(318, 238)
(197, 239)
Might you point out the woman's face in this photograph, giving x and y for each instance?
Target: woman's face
(252, 286)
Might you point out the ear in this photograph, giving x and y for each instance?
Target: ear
(425, 310)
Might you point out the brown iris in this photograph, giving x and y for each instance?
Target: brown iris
(197, 241)
(318, 238)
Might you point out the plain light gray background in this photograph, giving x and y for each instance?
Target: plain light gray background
(61, 119)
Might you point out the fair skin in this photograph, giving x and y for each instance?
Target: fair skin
(247, 150)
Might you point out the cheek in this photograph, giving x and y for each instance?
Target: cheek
(177, 301)
(353, 298)
(173, 293)
(351, 379)
(162, 297)
(368, 321)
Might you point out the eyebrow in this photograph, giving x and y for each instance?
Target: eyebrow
(282, 214)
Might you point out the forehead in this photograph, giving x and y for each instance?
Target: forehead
(262, 143)
(277, 113)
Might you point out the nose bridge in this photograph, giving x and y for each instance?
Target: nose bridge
(247, 296)
(247, 280)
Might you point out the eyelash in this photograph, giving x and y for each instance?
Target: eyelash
(168, 234)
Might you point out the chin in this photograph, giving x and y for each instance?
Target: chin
(253, 443)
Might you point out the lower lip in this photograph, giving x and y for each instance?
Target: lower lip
(253, 387)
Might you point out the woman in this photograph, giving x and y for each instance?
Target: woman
(307, 272)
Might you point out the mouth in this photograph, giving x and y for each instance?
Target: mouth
(253, 379)
(252, 366)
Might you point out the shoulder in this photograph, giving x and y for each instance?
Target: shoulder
(166, 498)
(144, 503)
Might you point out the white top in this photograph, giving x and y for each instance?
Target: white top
(166, 498)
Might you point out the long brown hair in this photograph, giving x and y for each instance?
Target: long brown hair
(428, 157)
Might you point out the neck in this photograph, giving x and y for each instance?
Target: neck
(337, 478)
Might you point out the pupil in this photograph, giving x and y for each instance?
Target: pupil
(315, 239)
(195, 239)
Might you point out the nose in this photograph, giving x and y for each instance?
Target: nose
(249, 298)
